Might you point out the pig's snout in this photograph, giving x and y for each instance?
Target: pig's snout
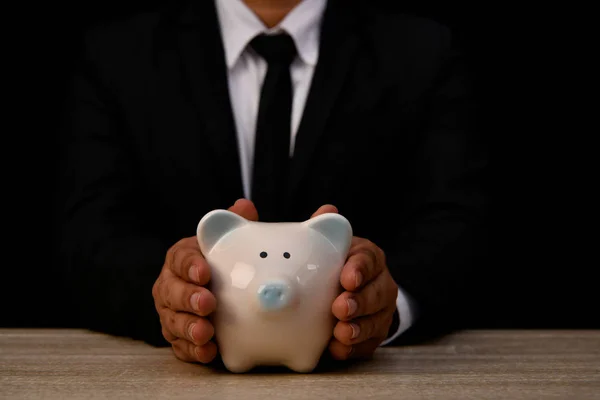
(274, 296)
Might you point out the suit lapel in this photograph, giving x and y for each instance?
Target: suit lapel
(204, 68)
(338, 46)
(203, 60)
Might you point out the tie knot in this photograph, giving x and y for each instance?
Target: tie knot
(278, 48)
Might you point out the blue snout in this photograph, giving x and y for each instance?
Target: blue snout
(274, 296)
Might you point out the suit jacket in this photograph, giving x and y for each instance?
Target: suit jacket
(387, 136)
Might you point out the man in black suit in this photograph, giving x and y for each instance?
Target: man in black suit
(303, 107)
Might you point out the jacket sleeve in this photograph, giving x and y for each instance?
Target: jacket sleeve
(439, 257)
(108, 249)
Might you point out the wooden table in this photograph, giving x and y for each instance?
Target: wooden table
(66, 364)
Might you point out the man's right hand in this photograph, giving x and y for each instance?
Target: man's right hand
(182, 300)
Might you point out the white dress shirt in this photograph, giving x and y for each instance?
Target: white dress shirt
(247, 70)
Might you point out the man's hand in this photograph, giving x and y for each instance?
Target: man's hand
(366, 308)
(182, 300)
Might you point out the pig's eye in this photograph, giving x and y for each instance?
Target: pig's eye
(263, 254)
(286, 254)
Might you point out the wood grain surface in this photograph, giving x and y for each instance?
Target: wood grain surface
(73, 364)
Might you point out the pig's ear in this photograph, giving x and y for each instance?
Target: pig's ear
(335, 228)
(214, 225)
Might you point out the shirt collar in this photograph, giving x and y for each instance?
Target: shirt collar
(239, 25)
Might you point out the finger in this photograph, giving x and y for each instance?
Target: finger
(189, 352)
(246, 209)
(325, 209)
(181, 325)
(365, 262)
(169, 337)
(362, 329)
(179, 295)
(371, 299)
(366, 349)
(186, 261)
(339, 351)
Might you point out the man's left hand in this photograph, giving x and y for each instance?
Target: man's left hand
(366, 308)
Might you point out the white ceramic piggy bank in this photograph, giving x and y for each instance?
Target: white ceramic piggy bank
(275, 284)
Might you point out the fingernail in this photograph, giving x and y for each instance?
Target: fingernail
(195, 300)
(359, 278)
(194, 273)
(351, 351)
(352, 306)
(191, 331)
(355, 330)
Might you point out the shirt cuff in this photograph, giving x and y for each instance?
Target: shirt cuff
(406, 312)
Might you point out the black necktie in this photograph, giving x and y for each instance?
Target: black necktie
(273, 126)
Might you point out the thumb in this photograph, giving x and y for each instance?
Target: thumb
(246, 209)
(325, 209)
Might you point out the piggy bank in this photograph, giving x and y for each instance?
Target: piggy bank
(275, 284)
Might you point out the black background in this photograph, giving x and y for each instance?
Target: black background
(541, 259)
